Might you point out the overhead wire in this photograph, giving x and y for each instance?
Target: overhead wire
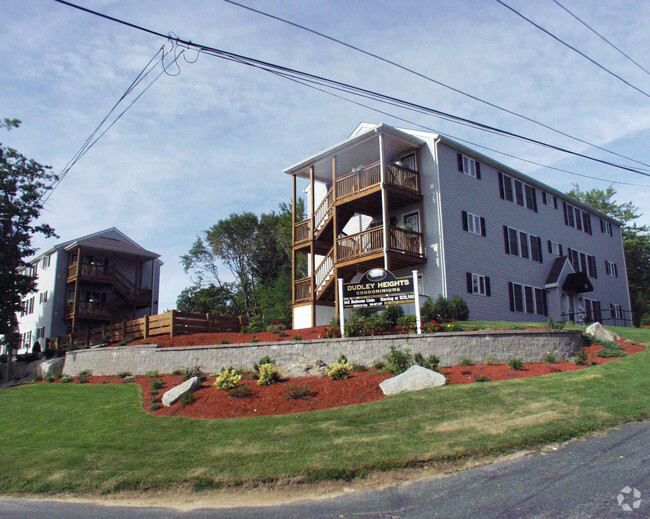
(574, 49)
(431, 79)
(354, 90)
(624, 54)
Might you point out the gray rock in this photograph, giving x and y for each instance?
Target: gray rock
(413, 379)
(50, 368)
(176, 393)
(306, 368)
(598, 331)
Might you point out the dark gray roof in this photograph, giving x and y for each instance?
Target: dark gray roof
(556, 269)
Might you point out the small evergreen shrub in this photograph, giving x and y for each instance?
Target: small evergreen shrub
(227, 379)
(177, 372)
(298, 392)
(240, 391)
(550, 358)
(379, 364)
(331, 332)
(482, 378)
(339, 371)
(255, 339)
(124, 374)
(129, 378)
(357, 367)
(196, 371)
(264, 360)
(491, 360)
(186, 399)
(398, 361)
(431, 362)
(155, 399)
(268, 374)
(515, 363)
(152, 374)
(85, 373)
(407, 324)
(49, 379)
(155, 407)
(466, 361)
(224, 341)
(611, 350)
(157, 384)
(66, 380)
(581, 359)
(297, 338)
(555, 325)
(154, 392)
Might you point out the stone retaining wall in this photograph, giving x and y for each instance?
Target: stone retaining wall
(529, 345)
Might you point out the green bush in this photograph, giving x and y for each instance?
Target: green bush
(379, 364)
(152, 374)
(298, 392)
(515, 363)
(339, 371)
(581, 359)
(482, 378)
(611, 350)
(466, 361)
(331, 332)
(196, 371)
(240, 391)
(85, 373)
(398, 361)
(157, 384)
(297, 338)
(155, 399)
(431, 362)
(391, 315)
(49, 379)
(491, 360)
(555, 325)
(177, 372)
(550, 358)
(66, 380)
(357, 367)
(254, 339)
(155, 407)
(124, 374)
(129, 378)
(445, 310)
(407, 324)
(268, 374)
(227, 379)
(186, 399)
(264, 360)
(224, 341)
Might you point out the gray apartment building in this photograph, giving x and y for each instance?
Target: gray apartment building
(512, 247)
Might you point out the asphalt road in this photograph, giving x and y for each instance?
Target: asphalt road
(582, 479)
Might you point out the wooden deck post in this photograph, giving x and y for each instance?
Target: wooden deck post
(123, 331)
(172, 329)
(312, 204)
(207, 323)
(146, 326)
(293, 242)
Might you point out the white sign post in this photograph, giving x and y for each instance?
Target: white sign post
(416, 288)
(341, 309)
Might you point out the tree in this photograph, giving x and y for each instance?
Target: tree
(636, 243)
(23, 182)
(208, 300)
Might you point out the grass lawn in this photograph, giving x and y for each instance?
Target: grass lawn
(97, 439)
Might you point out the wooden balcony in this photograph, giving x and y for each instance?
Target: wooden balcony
(89, 272)
(87, 310)
(302, 290)
(368, 179)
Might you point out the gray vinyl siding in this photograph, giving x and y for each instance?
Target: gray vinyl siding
(466, 252)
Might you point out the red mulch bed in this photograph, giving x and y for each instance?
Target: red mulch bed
(361, 387)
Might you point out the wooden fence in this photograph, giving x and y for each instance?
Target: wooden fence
(172, 323)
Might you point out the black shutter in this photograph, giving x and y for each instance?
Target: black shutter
(469, 283)
(478, 169)
(460, 162)
(535, 201)
(587, 222)
(566, 217)
(539, 248)
(510, 296)
(602, 226)
(554, 205)
(544, 201)
(488, 292)
(506, 239)
(550, 248)
(561, 250)
(483, 231)
(465, 227)
(544, 303)
(501, 186)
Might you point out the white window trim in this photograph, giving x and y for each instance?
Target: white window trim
(474, 224)
(479, 286)
(528, 245)
(469, 166)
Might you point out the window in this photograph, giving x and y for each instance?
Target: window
(611, 269)
(412, 222)
(28, 305)
(605, 227)
(45, 262)
(474, 224)
(574, 217)
(477, 284)
(592, 311)
(549, 200)
(616, 311)
(554, 248)
(519, 243)
(42, 297)
(522, 194)
(583, 262)
(27, 339)
(469, 166)
(40, 333)
(528, 299)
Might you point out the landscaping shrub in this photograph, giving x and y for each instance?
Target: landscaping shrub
(331, 332)
(398, 361)
(459, 309)
(124, 374)
(445, 310)
(466, 361)
(255, 339)
(407, 324)
(155, 399)
(152, 374)
(515, 363)
(482, 378)
(227, 379)
(196, 371)
(550, 358)
(298, 392)
(491, 360)
(431, 362)
(379, 364)
(153, 392)
(129, 378)
(177, 372)
(157, 384)
(268, 374)
(354, 327)
(155, 407)
(581, 359)
(84, 375)
(339, 371)
(264, 360)
(186, 399)
(357, 367)
(240, 391)
(391, 315)
(66, 380)
(224, 341)
(276, 326)
(49, 379)
(611, 349)
(431, 327)
(555, 325)
(297, 338)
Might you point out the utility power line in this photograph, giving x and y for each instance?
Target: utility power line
(624, 54)
(354, 90)
(429, 78)
(559, 40)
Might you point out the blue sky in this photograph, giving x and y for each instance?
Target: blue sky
(214, 139)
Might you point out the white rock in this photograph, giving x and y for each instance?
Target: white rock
(306, 368)
(598, 331)
(176, 393)
(413, 379)
(50, 368)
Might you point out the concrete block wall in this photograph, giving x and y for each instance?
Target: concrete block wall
(530, 346)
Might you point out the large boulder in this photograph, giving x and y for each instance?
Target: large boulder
(306, 368)
(601, 333)
(413, 379)
(176, 393)
(50, 368)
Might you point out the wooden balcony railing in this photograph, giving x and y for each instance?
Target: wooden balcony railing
(324, 271)
(87, 309)
(89, 271)
(406, 241)
(302, 232)
(361, 244)
(403, 177)
(302, 290)
(354, 183)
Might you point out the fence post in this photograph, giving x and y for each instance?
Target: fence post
(172, 330)
(146, 326)
(123, 338)
(103, 333)
(207, 323)
(241, 323)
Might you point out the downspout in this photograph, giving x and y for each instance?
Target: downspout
(441, 232)
(384, 202)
